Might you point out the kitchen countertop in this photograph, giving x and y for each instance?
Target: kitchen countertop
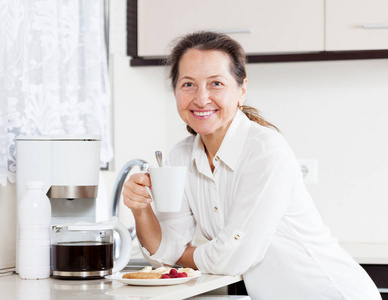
(368, 253)
(12, 287)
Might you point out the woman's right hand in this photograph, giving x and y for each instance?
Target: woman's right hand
(136, 196)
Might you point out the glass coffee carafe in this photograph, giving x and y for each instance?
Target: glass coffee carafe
(85, 250)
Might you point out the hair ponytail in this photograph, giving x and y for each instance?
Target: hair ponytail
(254, 115)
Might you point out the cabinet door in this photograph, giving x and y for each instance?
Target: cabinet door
(159, 22)
(284, 26)
(356, 24)
(260, 26)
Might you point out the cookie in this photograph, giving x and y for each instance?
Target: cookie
(142, 275)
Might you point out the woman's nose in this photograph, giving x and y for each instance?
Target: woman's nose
(202, 97)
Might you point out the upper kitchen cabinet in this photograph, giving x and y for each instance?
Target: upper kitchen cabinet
(356, 25)
(276, 26)
(269, 31)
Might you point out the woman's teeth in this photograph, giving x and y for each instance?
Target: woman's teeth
(203, 113)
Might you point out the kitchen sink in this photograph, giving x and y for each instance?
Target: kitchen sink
(136, 264)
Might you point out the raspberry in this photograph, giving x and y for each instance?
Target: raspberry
(182, 274)
(173, 272)
(164, 276)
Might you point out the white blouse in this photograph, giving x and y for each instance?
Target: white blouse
(259, 219)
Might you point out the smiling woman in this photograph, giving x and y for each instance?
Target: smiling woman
(244, 191)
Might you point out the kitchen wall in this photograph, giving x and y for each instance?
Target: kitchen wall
(7, 225)
(335, 112)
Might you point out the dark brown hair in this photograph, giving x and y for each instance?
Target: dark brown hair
(209, 40)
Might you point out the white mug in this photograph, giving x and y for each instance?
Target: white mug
(168, 185)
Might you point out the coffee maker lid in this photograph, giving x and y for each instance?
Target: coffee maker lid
(89, 226)
(62, 137)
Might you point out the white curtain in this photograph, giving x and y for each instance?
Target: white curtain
(53, 73)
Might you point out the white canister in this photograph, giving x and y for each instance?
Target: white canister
(34, 218)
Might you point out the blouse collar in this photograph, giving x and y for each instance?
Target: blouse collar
(230, 149)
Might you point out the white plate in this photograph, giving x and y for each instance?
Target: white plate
(164, 281)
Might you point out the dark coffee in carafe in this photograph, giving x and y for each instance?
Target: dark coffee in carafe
(81, 257)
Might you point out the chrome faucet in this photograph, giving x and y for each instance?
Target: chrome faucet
(117, 189)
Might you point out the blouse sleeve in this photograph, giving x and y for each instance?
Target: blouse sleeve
(264, 191)
(177, 232)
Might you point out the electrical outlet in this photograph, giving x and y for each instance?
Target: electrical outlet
(309, 168)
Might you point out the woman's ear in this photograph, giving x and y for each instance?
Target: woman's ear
(244, 89)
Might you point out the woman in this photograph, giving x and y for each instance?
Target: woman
(244, 190)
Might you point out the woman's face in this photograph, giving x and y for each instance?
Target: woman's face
(207, 94)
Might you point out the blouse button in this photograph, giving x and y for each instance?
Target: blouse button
(236, 236)
(217, 158)
(215, 208)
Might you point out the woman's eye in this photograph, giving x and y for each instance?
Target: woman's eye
(217, 83)
(187, 84)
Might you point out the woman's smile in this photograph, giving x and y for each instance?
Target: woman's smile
(203, 114)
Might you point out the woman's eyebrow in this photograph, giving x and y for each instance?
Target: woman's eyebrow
(215, 76)
(186, 77)
(191, 78)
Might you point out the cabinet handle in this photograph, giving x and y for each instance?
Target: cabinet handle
(375, 26)
(228, 31)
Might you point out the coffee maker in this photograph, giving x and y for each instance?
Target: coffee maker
(69, 167)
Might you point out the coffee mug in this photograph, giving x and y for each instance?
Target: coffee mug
(168, 185)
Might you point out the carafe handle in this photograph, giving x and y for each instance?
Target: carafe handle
(125, 248)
